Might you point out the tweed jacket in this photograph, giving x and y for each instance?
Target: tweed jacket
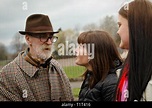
(21, 81)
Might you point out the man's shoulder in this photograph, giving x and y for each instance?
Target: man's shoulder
(55, 62)
(57, 66)
(12, 64)
(9, 67)
(8, 71)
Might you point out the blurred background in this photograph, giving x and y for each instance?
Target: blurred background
(70, 16)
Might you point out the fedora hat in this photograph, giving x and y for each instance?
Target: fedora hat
(38, 23)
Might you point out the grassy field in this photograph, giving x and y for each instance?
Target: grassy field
(74, 71)
(76, 93)
(4, 62)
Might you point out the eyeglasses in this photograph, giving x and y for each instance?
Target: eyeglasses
(44, 37)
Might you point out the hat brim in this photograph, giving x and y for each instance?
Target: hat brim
(24, 32)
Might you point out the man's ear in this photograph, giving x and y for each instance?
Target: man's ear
(27, 38)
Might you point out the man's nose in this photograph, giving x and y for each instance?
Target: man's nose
(49, 41)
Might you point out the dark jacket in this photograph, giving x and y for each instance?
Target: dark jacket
(102, 91)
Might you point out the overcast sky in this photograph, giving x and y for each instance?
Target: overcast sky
(63, 13)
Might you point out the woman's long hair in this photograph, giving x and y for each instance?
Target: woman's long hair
(105, 53)
(139, 15)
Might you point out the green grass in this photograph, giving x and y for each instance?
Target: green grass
(74, 71)
(75, 92)
(4, 62)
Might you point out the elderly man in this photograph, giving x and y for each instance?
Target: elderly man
(34, 75)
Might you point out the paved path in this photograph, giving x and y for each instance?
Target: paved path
(67, 62)
(76, 84)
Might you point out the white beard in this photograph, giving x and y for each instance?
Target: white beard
(41, 53)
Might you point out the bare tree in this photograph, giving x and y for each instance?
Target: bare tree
(18, 44)
(91, 26)
(65, 38)
(3, 50)
(109, 24)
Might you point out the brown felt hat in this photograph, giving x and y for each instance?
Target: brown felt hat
(38, 23)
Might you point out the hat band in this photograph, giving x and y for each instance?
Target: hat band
(39, 28)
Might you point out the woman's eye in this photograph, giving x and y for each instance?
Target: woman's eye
(119, 25)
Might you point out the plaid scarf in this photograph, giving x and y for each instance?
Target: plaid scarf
(122, 92)
(60, 85)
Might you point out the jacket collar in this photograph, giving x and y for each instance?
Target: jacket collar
(25, 66)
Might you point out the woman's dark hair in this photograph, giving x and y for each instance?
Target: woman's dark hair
(105, 53)
(139, 15)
